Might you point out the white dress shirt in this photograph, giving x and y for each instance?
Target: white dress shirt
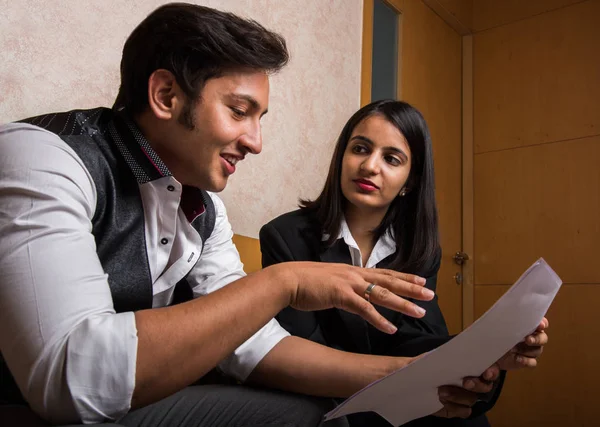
(70, 353)
(384, 247)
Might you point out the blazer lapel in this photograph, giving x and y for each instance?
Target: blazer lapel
(356, 325)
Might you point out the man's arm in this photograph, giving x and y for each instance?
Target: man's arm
(303, 366)
(179, 344)
(68, 351)
(220, 266)
(72, 356)
(290, 363)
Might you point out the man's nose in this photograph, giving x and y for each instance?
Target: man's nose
(252, 141)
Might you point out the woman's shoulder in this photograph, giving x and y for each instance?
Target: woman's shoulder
(296, 226)
(294, 220)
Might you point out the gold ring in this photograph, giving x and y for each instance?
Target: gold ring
(368, 291)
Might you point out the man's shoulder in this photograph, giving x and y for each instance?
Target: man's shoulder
(215, 198)
(214, 202)
(32, 157)
(19, 140)
(17, 130)
(72, 123)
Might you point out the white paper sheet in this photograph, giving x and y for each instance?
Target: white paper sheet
(411, 392)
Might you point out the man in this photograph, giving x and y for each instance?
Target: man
(116, 251)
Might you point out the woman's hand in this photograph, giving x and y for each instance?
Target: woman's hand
(458, 401)
(526, 353)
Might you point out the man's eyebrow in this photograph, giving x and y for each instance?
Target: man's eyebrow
(250, 100)
(370, 142)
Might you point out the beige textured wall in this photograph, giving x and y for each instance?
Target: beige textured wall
(65, 54)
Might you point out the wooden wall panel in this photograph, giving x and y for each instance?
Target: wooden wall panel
(562, 390)
(537, 191)
(492, 13)
(468, 229)
(396, 4)
(538, 80)
(541, 201)
(431, 81)
(366, 62)
(456, 13)
(461, 9)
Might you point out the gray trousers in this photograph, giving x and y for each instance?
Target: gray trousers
(218, 405)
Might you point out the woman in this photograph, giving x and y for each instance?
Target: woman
(377, 209)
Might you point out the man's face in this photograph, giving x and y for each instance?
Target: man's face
(218, 130)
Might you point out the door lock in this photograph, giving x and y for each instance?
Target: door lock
(460, 258)
(458, 277)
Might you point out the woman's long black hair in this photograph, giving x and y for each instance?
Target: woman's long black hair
(412, 218)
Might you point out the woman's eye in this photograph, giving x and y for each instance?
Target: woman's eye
(359, 149)
(392, 160)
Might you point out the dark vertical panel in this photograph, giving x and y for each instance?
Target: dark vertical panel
(385, 52)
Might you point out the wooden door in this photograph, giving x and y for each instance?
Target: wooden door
(430, 77)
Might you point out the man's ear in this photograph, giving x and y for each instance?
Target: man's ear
(165, 97)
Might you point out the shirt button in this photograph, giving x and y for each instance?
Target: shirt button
(164, 241)
(171, 188)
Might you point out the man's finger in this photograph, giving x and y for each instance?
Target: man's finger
(358, 305)
(399, 287)
(385, 298)
(401, 305)
(411, 278)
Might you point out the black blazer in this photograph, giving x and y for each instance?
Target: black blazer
(296, 236)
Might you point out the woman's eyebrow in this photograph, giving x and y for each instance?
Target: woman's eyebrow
(389, 148)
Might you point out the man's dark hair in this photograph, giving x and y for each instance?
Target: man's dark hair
(412, 219)
(195, 43)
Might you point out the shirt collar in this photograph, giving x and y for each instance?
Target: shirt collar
(135, 148)
(147, 166)
(384, 247)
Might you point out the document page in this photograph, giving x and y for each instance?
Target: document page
(411, 392)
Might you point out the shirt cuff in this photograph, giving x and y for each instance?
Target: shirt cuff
(245, 358)
(101, 371)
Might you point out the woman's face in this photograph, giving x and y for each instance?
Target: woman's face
(375, 165)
